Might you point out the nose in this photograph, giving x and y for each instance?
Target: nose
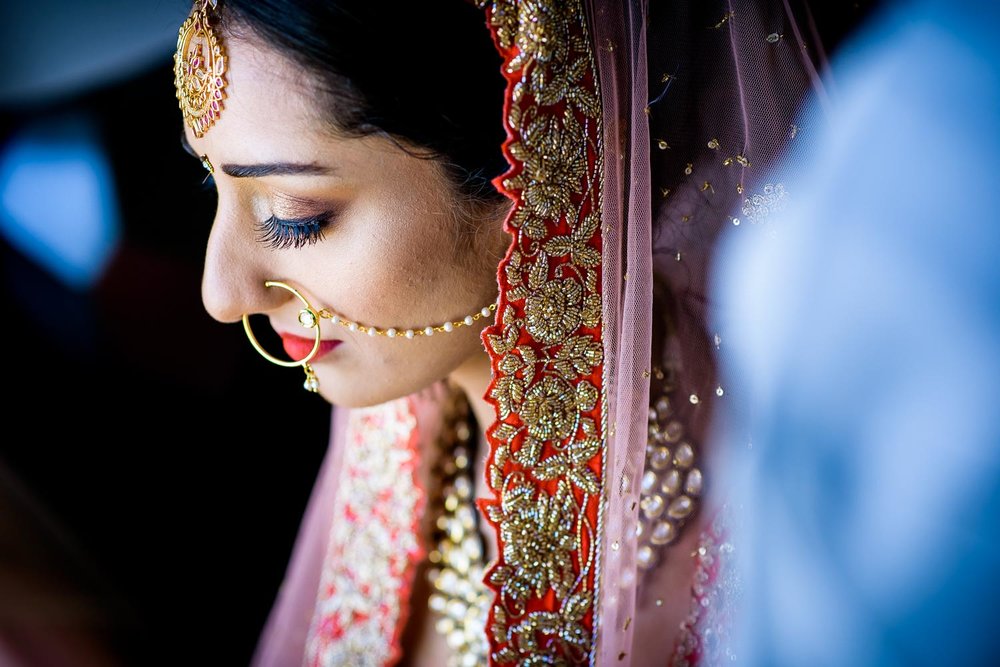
(236, 267)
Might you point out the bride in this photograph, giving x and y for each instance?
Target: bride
(481, 233)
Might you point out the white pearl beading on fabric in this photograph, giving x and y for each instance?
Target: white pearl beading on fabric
(307, 318)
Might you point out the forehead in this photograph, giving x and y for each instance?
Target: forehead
(269, 103)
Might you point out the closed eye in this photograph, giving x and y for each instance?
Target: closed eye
(282, 234)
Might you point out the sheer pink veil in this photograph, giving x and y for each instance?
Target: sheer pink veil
(699, 103)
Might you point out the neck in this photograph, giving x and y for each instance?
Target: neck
(473, 378)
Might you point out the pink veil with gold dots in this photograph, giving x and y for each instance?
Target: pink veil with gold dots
(698, 101)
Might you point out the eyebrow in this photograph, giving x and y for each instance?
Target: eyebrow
(266, 169)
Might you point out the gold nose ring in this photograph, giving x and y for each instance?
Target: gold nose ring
(308, 318)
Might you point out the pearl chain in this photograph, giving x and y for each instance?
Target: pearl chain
(307, 318)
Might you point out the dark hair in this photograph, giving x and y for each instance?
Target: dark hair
(423, 73)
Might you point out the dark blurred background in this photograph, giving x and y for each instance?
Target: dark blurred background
(153, 467)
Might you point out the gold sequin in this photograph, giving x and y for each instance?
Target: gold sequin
(722, 21)
(546, 467)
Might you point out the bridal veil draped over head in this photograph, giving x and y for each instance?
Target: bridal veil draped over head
(635, 134)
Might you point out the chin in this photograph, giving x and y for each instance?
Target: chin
(363, 393)
(366, 380)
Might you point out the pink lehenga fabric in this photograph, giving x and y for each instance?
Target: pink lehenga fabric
(318, 604)
(697, 103)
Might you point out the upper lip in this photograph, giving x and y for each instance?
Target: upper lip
(306, 334)
(286, 334)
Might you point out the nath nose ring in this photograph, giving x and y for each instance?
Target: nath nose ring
(308, 318)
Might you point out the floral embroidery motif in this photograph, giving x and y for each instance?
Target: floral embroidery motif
(373, 549)
(547, 452)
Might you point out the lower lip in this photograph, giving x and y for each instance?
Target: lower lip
(299, 348)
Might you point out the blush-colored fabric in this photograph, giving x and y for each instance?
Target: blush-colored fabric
(697, 103)
(292, 634)
(700, 103)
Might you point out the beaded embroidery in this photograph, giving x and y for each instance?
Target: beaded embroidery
(547, 447)
(373, 549)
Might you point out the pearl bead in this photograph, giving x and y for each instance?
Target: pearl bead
(694, 482)
(680, 507)
(307, 318)
(644, 556)
(468, 320)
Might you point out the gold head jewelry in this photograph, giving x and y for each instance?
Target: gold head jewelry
(310, 317)
(199, 69)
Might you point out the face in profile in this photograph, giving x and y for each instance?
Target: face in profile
(358, 226)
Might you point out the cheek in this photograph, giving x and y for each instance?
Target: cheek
(401, 268)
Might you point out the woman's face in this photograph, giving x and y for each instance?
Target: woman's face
(391, 253)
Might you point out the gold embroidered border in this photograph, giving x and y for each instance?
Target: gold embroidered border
(547, 448)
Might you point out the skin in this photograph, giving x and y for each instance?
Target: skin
(393, 254)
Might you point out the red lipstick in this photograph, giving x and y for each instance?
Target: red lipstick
(298, 347)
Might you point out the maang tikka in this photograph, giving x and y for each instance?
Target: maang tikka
(199, 69)
(309, 317)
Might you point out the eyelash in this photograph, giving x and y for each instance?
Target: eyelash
(282, 234)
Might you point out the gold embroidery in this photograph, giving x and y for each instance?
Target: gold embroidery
(555, 310)
(546, 465)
